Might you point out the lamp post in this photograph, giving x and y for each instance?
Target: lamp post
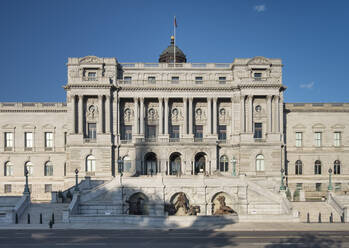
(26, 187)
(282, 185)
(233, 162)
(330, 179)
(76, 180)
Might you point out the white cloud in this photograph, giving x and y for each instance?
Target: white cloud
(307, 86)
(260, 8)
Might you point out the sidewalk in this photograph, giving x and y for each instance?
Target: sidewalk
(231, 227)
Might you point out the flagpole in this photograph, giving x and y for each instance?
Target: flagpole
(174, 41)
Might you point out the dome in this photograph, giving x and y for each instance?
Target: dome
(167, 55)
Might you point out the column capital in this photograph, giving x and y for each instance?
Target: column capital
(190, 98)
(276, 97)
(100, 96)
(135, 98)
(80, 96)
(141, 99)
(242, 97)
(107, 96)
(215, 98)
(160, 98)
(250, 97)
(166, 99)
(269, 97)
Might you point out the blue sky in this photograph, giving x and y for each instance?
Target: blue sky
(311, 38)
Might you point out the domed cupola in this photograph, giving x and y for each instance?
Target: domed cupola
(167, 55)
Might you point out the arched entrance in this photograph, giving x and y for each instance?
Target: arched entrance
(200, 163)
(150, 164)
(138, 204)
(175, 164)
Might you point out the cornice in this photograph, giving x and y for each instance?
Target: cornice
(94, 86)
(33, 110)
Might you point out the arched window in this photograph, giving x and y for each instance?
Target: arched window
(30, 167)
(175, 164)
(259, 162)
(223, 163)
(337, 167)
(90, 163)
(317, 167)
(298, 167)
(126, 164)
(8, 169)
(48, 169)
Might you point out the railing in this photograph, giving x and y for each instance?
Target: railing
(152, 139)
(222, 66)
(175, 83)
(90, 140)
(198, 139)
(126, 141)
(174, 139)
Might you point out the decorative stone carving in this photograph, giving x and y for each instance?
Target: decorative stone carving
(259, 61)
(128, 114)
(90, 60)
(200, 114)
(223, 208)
(152, 114)
(92, 112)
(180, 206)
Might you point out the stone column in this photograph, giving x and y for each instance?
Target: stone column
(117, 117)
(136, 116)
(209, 116)
(191, 122)
(276, 115)
(100, 116)
(250, 114)
(141, 114)
(185, 107)
(281, 116)
(166, 116)
(215, 116)
(232, 116)
(269, 114)
(81, 111)
(161, 117)
(73, 103)
(107, 114)
(242, 114)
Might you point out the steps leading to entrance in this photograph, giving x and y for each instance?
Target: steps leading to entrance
(46, 209)
(314, 208)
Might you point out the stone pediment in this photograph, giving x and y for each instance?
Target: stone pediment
(90, 60)
(338, 126)
(28, 126)
(259, 61)
(299, 126)
(8, 126)
(318, 126)
(48, 126)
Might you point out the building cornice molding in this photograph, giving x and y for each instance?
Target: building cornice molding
(89, 85)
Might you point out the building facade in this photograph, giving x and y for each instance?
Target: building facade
(183, 121)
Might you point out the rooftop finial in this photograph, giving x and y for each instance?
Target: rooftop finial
(172, 39)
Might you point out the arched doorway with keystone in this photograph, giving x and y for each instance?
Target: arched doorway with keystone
(200, 163)
(150, 164)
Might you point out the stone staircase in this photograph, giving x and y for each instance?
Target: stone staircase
(314, 208)
(46, 209)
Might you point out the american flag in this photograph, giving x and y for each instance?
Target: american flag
(175, 22)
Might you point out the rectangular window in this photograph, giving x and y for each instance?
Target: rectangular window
(92, 75)
(151, 132)
(151, 80)
(198, 132)
(257, 75)
(299, 186)
(126, 133)
(174, 132)
(92, 132)
(222, 80)
(28, 142)
(337, 138)
(258, 130)
(318, 139)
(48, 188)
(65, 138)
(8, 140)
(8, 188)
(175, 80)
(318, 187)
(222, 132)
(299, 139)
(198, 80)
(127, 80)
(48, 140)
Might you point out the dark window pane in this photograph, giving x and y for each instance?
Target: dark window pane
(258, 130)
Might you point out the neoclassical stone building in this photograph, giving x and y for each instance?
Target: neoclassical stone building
(205, 129)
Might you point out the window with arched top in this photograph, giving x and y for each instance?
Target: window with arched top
(259, 162)
(90, 163)
(317, 167)
(337, 167)
(223, 163)
(30, 167)
(48, 170)
(298, 167)
(8, 169)
(126, 164)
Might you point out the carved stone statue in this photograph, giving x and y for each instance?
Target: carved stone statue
(181, 204)
(223, 208)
